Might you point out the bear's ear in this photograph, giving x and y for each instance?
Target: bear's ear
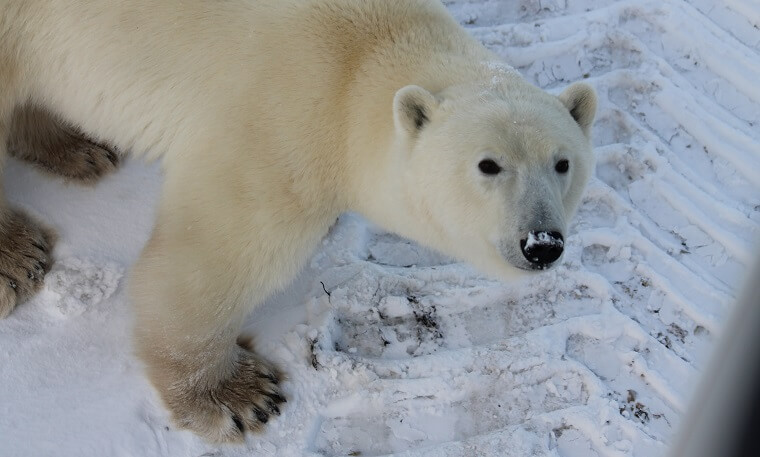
(580, 100)
(412, 108)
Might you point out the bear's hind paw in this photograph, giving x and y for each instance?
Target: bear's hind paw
(25, 258)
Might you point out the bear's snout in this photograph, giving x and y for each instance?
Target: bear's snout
(542, 248)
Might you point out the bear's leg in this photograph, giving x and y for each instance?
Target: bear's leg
(39, 137)
(187, 289)
(25, 245)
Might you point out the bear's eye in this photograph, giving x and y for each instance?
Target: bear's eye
(562, 166)
(489, 167)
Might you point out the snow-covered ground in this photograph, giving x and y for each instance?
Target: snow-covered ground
(391, 348)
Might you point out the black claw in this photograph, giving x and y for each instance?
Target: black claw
(91, 162)
(39, 246)
(261, 415)
(278, 398)
(238, 423)
(273, 408)
(272, 378)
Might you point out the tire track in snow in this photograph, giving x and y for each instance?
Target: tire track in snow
(597, 356)
(738, 17)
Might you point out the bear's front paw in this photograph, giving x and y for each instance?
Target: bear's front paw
(245, 400)
(24, 258)
(84, 161)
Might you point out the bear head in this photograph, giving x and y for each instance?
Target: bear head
(492, 174)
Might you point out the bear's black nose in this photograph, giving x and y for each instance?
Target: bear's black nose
(542, 248)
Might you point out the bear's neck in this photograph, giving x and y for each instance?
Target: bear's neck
(376, 161)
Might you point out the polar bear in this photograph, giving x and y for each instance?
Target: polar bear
(271, 118)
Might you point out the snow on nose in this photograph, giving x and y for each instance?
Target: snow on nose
(542, 248)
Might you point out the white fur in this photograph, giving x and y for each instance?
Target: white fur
(274, 116)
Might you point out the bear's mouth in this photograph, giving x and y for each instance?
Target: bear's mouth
(516, 260)
(535, 268)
